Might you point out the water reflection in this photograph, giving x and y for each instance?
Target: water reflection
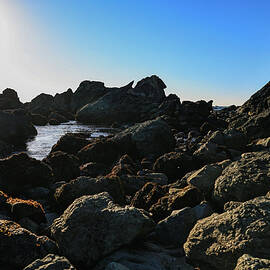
(40, 146)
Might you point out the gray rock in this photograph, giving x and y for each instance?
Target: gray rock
(50, 262)
(93, 227)
(244, 179)
(204, 178)
(150, 138)
(247, 262)
(175, 229)
(219, 240)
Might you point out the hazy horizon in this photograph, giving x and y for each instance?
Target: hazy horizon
(201, 50)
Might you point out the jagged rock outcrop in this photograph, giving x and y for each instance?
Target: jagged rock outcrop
(125, 104)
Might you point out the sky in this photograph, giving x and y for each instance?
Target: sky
(201, 49)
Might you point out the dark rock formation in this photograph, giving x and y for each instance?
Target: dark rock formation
(16, 127)
(9, 100)
(20, 171)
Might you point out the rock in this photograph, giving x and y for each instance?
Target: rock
(148, 195)
(29, 225)
(175, 199)
(116, 266)
(19, 247)
(133, 183)
(19, 171)
(150, 138)
(125, 104)
(150, 88)
(264, 142)
(64, 166)
(70, 143)
(50, 262)
(92, 169)
(54, 122)
(42, 104)
(76, 188)
(63, 102)
(211, 152)
(102, 151)
(39, 120)
(125, 166)
(58, 117)
(16, 127)
(244, 179)
(252, 117)
(175, 165)
(219, 240)
(38, 193)
(247, 262)
(258, 102)
(5, 149)
(193, 114)
(204, 178)
(26, 209)
(9, 100)
(87, 92)
(180, 198)
(109, 228)
(174, 230)
(150, 257)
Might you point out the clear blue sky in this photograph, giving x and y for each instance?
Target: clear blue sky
(207, 49)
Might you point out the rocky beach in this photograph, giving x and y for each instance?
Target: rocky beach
(164, 184)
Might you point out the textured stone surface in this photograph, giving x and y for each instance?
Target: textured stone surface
(219, 240)
(93, 227)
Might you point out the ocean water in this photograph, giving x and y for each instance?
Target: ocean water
(40, 146)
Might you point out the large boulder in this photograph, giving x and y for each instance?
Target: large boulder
(70, 143)
(9, 100)
(217, 242)
(19, 247)
(125, 104)
(85, 240)
(50, 262)
(16, 127)
(243, 179)
(65, 167)
(150, 138)
(19, 172)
